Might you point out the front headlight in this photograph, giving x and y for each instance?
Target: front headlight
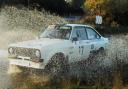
(37, 53)
(10, 50)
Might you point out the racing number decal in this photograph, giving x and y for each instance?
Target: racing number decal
(92, 46)
(81, 50)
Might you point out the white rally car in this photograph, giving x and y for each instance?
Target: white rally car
(57, 46)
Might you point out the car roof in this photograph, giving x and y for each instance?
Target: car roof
(73, 25)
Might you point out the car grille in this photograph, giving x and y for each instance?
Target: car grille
(26, 52)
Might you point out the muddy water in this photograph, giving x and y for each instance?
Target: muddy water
(27, 79)
(18, 80)
(30, 79)
(12, 78)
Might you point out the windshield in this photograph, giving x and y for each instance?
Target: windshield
(57, 32)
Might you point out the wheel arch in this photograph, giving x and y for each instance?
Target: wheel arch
(102, 48)
(60, 53)
(51, 56)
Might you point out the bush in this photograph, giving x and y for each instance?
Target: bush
(29, 19)
(23, 24)
(115, 10)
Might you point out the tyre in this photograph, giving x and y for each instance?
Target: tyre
(58, 65)
(102, 51)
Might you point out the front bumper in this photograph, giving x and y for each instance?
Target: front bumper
(25, 62)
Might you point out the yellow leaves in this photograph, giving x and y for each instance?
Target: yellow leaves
(90, 4)
(96, 6)
(93, 3)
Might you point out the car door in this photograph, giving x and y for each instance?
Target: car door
(74, 49)
(94, 39)
(85, 44)
(82, 45)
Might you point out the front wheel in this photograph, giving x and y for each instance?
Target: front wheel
(58, 65)
(102, 51)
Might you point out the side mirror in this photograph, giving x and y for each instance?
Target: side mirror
(98, 37)
(75, 39)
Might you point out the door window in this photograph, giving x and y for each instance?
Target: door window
(92, 34)
(80, 33)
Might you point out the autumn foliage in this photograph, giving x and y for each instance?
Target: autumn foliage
(113, 11)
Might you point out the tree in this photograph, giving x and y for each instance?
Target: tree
(115, 10)
(96, 6)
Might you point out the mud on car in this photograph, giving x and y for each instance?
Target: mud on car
(57, 47)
